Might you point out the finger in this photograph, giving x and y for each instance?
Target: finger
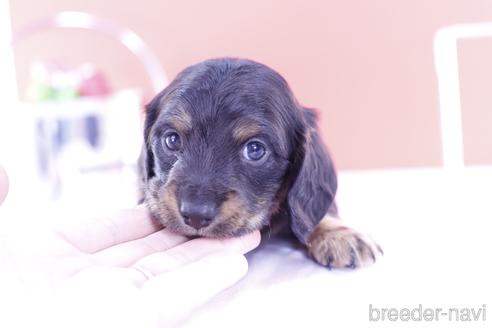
(128, 253)
(176, 294)
(92, 235)
(4, 184)
(189, 252)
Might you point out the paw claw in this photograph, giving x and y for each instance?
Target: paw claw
(380, 250)
(373, 257)
(330, 261)
(353, 256)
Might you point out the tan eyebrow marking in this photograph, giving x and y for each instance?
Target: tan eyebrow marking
(244, 130)
(181, 120)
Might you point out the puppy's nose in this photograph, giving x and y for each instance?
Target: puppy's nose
(198, 214)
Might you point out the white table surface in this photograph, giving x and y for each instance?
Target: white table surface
(435, 228)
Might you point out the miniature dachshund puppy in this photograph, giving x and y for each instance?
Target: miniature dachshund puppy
(229, 150)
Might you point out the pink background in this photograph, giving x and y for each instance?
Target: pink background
(366, 65)
(476, 99)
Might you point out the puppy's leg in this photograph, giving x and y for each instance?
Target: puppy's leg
(335, 245)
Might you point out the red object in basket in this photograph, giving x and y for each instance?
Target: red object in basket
(94, 84)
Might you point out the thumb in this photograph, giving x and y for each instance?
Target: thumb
(177, 293)
(4, 184)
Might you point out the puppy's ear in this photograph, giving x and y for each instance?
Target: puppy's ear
(146, 160)
(314, 185)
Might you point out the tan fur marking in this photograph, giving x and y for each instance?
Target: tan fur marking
(181, 120)
(162, 200)
(234, 211)
(245, 130)
(168, 197)
(232, 206)
(336, 245)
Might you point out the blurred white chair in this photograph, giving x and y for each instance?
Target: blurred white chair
(446, 61)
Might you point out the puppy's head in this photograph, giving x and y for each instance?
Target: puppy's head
(221, 146)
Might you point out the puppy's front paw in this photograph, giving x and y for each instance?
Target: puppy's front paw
(335, 245)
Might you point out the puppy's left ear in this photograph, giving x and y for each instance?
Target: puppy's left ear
(312, 193)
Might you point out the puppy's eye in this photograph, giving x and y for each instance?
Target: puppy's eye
(173, 141)
(254, 150)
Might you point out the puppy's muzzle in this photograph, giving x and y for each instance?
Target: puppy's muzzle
(198, 212)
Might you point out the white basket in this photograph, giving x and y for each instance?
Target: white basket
(79, 139)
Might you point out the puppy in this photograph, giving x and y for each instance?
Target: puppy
(228, 150)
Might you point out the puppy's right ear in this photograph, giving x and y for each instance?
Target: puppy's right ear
(146, 161)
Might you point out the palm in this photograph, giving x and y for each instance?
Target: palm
(123, 268)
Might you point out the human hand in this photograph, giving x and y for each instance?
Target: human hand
(119, 270)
